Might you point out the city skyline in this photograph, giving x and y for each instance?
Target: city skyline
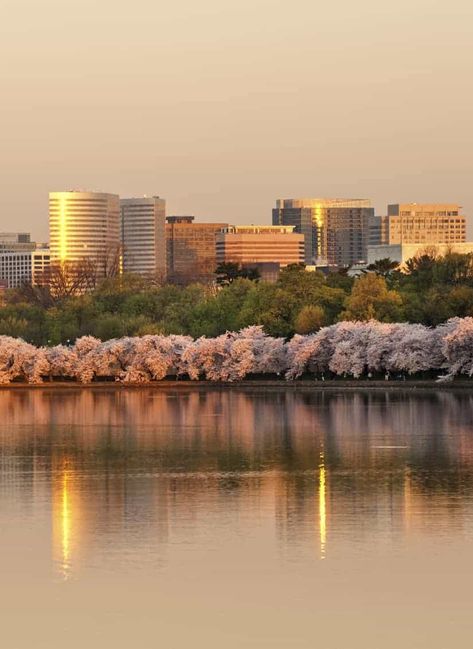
(39, 230)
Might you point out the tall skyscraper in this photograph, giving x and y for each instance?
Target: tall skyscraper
(426, 223)
(85, 226)
(191, 255)
(335, 230)
(143, 235)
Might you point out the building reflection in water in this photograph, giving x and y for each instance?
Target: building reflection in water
(131, 470)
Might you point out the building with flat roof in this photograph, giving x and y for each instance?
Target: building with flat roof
(191, 252)
(425, 223)
(253, 244)
(24, 267)
(336, 230)
(12, 241)
(143, 236)
(85, 226)
(401, 252)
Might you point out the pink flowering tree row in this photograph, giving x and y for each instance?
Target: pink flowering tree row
(351, 349)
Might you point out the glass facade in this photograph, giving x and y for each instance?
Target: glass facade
(336, 231)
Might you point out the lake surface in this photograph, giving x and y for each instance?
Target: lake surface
(146, 518)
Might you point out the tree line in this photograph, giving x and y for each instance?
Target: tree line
(429, 292)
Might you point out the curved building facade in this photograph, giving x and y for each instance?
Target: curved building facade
(85, 226)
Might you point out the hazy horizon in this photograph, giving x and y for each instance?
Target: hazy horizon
(223, 107)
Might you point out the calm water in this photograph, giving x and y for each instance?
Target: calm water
(143, 519)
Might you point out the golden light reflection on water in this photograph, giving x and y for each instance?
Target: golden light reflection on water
(322, 507)
(63, 518)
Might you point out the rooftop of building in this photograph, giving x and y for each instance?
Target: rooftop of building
(259, 229)
(394, 209)
(315, 203)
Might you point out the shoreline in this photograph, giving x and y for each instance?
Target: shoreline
(303, 384)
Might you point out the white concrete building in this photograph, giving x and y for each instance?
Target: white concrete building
(402, 252)
(24, 267)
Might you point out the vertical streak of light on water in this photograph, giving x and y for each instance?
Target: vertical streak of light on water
(322, 507)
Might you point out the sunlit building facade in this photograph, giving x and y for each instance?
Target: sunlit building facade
(248, 244)
(85, 226)
(143, 235)
(336, 230)
(191, 252)
(402, 252)
(425, 223)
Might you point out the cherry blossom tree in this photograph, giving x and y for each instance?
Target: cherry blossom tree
(345, 349)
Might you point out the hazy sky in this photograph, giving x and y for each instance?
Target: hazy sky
(222, 106)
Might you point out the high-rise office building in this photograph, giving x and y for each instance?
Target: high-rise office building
(191, 254)
(85, 226)
(143, 235)
(335, 230)
(425, 223)
(257, 244)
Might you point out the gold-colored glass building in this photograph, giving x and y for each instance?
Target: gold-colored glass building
(336, 230)
(85, 226)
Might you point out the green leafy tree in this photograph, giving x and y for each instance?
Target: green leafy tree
(228, 272)
(371, 298)
(309, 319)
(383, 267)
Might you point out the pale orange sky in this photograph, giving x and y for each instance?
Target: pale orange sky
(223, 106)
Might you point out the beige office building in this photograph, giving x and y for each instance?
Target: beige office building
(425, 223)
(191, 254)
(143, 235)
(252, 244)
(85, 226)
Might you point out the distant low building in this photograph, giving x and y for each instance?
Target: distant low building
(253, 244)
(16, 241)
(191, 252)
(24, 267)
(402, 252)
(268, 271)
